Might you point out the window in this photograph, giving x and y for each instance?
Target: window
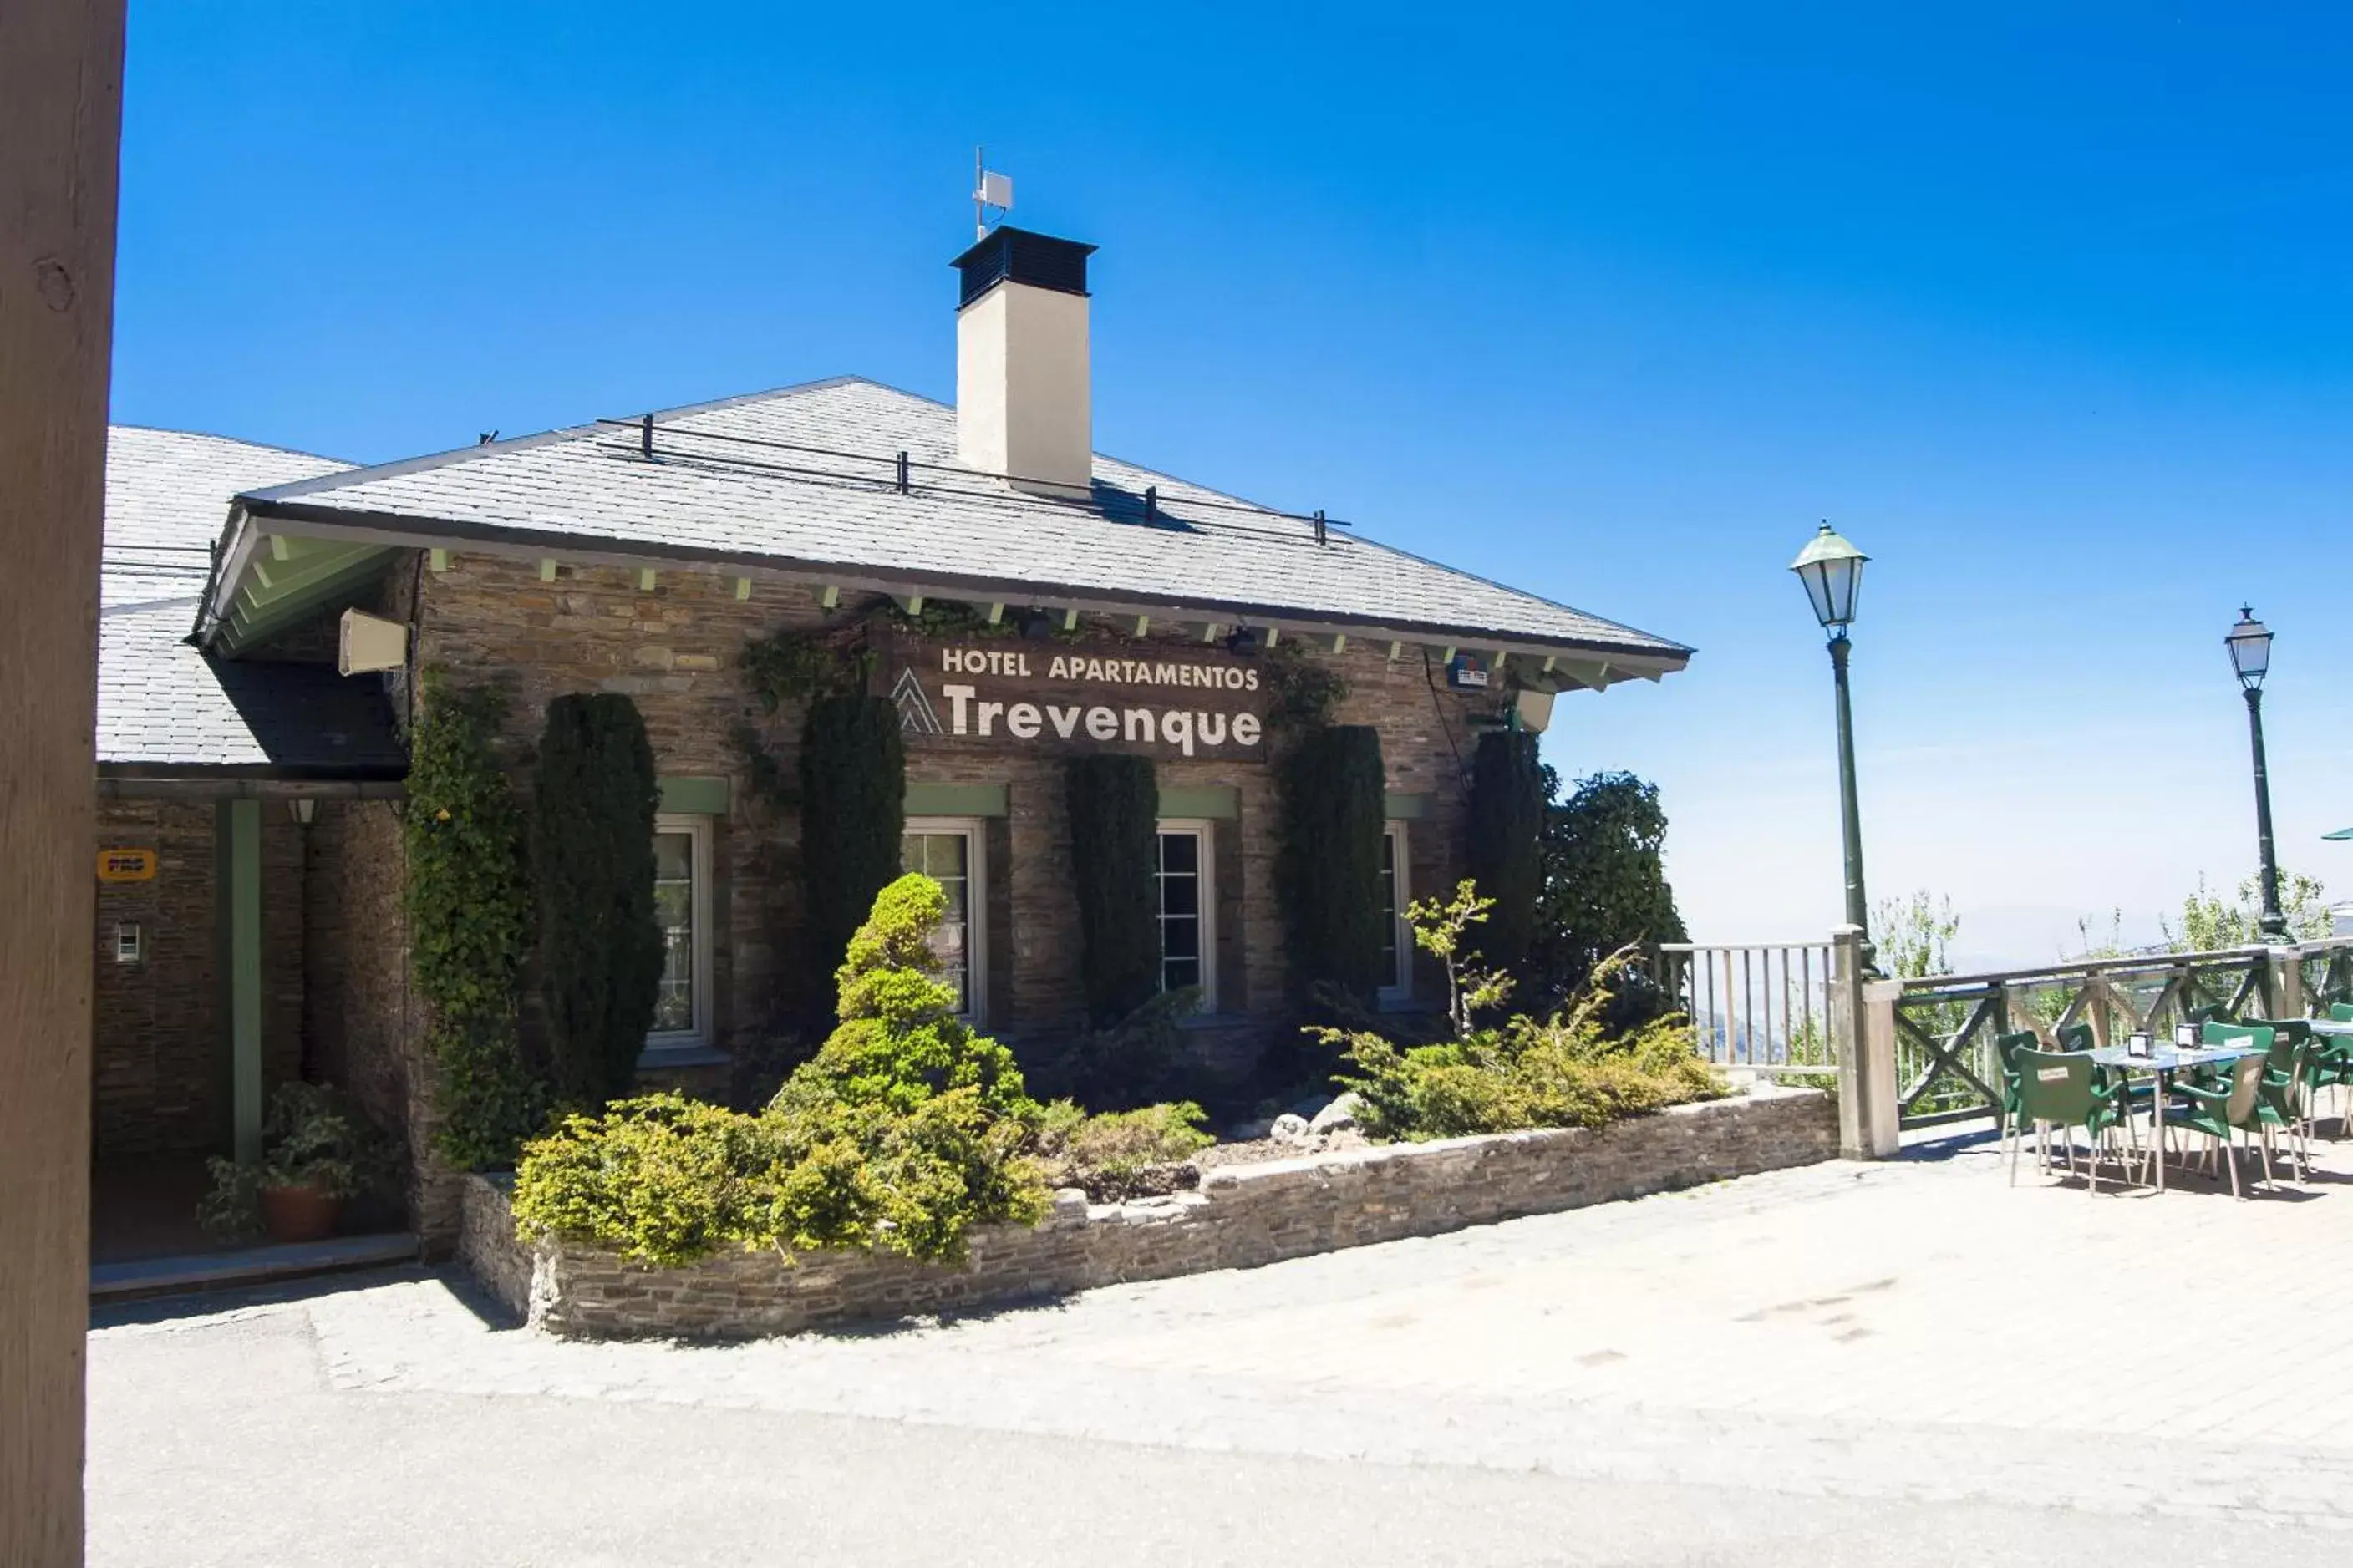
(948, 849)
(682, 910)
(1396, 936)
(1188, 931)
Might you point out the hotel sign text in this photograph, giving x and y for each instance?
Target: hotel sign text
(1165, 704)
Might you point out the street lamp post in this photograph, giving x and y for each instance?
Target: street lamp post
(1831, 571)
(2250, 643)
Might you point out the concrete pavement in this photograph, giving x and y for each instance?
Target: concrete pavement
(1909, 1362)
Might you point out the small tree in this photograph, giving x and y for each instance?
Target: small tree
(853, 812)
(1442, 931)
(900, 1042)
(1914, 935)
(2210, 922)
(1506, 824)
(594, 797)
(1605, 888)
(1114, 805)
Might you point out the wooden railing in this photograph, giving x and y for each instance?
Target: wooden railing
(1756, 1005)
(1945, 1025)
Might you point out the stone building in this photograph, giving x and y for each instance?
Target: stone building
(1029, 599)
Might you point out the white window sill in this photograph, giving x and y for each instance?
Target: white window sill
(667, 1054)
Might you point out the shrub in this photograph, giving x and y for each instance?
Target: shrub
(1560, 1072)
(593, 799)
(1114, 806)
(470, 910)
(903, 1131)
(1506, 821)
(1329, 864)
(1569, 1070)
(853, 812)
(1113, 1155)
(1132, 1062)
(312, 1137)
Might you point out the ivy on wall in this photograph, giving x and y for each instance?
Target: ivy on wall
(1506, 822)
(1302, 694)
(1328, 868)
(1114, 805)
(469, 910)
(853, 810)
(594, 797)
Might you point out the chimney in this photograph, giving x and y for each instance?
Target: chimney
(1023, 400)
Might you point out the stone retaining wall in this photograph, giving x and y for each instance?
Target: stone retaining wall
(1243, 1215)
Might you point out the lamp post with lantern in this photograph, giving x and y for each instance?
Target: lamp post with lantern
(1831, 571)
(2249, 642)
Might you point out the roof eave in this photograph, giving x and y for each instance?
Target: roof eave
(1648, 658)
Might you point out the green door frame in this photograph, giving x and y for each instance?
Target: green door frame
(239, 827)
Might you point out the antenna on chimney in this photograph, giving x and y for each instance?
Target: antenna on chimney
(988, 190)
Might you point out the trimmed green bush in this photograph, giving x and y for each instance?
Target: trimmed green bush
(853, 813)
(1114, 809)
(902, 1132)
(593, 802)
(470, 926)
(1506, 823)
(1329, 869)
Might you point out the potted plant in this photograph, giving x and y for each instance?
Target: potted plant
(318, 1152)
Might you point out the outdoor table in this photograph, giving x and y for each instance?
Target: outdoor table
(2163, 1061)
(2337, 1029)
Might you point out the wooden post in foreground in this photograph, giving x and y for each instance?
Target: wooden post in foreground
(61, 122)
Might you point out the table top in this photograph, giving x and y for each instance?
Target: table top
(2164, 1056)
(2331, 1025)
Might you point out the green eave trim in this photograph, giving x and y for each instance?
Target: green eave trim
(956, 800)
(695, 797)
(1402, 805)
(274, 594)
(1218, 803)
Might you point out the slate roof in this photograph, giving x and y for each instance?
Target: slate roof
(167, 494)
(731, 483)
(165, 704)
(161, 703)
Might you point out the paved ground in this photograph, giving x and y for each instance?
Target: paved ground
(1899, 1363)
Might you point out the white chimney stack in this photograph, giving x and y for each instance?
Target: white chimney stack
(1024, 397)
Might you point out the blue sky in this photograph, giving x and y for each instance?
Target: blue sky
(2046, 306)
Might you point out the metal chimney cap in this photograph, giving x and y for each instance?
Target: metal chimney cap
(1006, 254)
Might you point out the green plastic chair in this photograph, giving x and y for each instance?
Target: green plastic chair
(2330, 1066)
(2061, 1089)
(2284, 1106)
(2221, 1112)
(2133, 1094)
(2005, 1050)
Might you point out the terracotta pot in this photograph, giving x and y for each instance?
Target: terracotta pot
(298, 1214)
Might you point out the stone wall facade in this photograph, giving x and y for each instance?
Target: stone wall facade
(675, 648)
(160, 1032)
(363, 1021)
(1242, 1216)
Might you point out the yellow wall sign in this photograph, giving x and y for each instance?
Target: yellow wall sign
(126, 864)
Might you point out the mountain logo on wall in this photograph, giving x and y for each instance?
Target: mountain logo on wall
(915, 705)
